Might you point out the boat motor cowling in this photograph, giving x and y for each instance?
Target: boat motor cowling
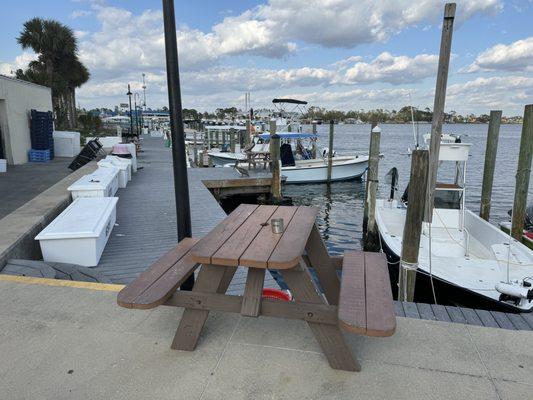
(514, 292)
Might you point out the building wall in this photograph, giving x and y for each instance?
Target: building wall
(17, 98)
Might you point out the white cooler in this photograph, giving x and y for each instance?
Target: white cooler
(79, 234)
(115, 160)
(133, 152)
(66, 144)
(101, 183)
(123, 170)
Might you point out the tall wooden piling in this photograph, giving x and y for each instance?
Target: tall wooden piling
(330, 150)
(248, 136)
(522, 173)
(365, 206)
(232, 132)
(438, 105)
(195, 149)
(413, 225)
(490, 163)
(371, 236)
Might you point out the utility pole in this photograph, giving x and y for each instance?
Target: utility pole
(181, 184)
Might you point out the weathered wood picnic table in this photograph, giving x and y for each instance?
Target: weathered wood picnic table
(359, 302)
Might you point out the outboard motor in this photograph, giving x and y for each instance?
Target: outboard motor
(392, 179)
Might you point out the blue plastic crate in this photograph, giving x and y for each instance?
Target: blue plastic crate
(39, 155)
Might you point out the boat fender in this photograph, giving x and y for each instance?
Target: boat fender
(515, 291)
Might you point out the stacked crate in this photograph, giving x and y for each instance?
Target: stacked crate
(41, 134)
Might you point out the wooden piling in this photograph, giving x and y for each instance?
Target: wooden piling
(275, 157)
(330, 150)
(371, 236)
(490, 163)
(522, 174)
(232, 140)
(365, 205)
(314, 128)
(438, 105)
(413, 225)
(195, 150)
(248, 136)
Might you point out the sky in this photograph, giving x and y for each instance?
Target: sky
(338, 54)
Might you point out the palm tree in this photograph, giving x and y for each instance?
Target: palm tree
(57, 64)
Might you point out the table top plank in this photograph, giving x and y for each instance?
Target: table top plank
(210, 243)
(259, 251)
(230, 252)
(292, 243)
(380, 316)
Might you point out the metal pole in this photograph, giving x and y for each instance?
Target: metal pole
(136, 117)
(131, 120)
(181, 184)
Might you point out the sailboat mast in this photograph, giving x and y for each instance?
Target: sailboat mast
(438, 107)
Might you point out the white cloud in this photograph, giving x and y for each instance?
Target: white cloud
(507, 92)
(393, 69)
(20, 62)
(79, 13)
(517, 56)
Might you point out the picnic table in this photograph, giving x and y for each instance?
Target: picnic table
(359, 302)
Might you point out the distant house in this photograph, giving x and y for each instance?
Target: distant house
(17, 99)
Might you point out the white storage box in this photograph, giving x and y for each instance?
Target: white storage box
(3, 165)
(133, 152)
(101, 183)
(66, 143)
(115, 160)
(79, 234)
(122, 171)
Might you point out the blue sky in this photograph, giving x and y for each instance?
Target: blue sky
(334, 53)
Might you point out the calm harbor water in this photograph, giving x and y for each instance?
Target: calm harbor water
(341, 206)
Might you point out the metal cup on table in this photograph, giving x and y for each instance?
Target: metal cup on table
(277, 225)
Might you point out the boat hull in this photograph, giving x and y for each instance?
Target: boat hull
(316, 171)
(447, 293)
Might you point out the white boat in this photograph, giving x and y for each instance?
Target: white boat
(298, 164)
(469, 261)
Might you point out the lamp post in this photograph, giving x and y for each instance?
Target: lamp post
(137, 123)
(144, 93)
(131, 120)
(181, 184)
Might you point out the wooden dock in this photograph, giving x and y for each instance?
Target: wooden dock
(146, 213)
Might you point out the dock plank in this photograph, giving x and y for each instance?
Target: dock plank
(487, 319)
(440, 313)
(519, 322)
(502, 320)
(471, 317)
(398, 309)
(456, 315)
(425, 311)
(410, 309)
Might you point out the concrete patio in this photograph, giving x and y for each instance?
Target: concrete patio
(70, 342)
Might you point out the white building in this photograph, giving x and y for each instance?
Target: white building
(17, 98)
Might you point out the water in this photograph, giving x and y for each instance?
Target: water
(341, 207)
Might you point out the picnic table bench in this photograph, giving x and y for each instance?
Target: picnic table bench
(359, 302)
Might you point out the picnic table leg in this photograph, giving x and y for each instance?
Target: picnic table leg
(253, 291)
(211, 279)
(319, 259)
(329, 337)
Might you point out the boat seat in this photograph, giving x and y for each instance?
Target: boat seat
(156, 285)
(365, 302)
